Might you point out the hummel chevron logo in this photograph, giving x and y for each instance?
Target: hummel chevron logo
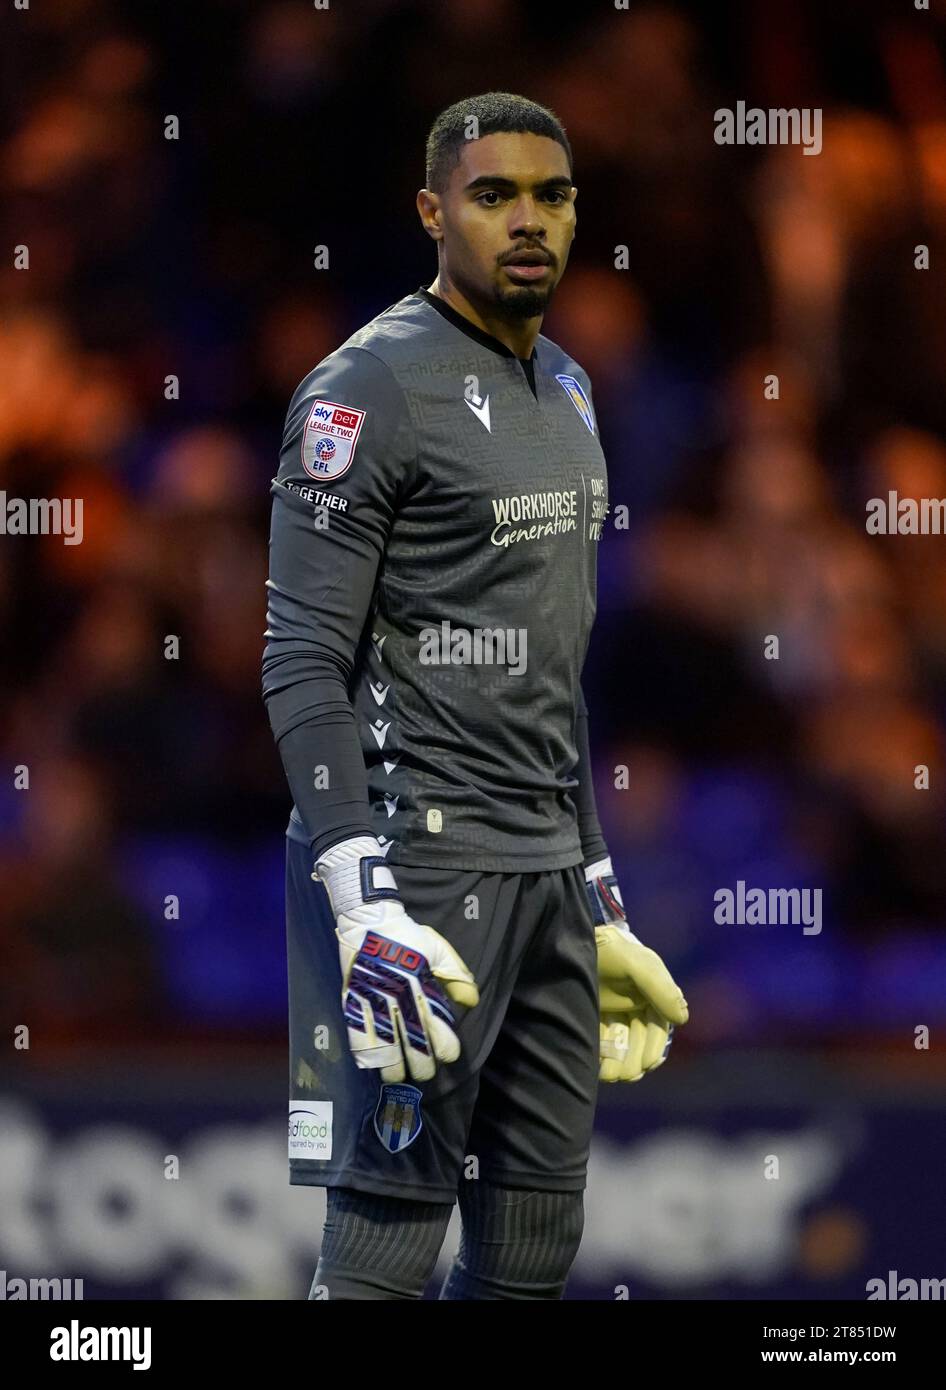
(380, 692)
(480, 408)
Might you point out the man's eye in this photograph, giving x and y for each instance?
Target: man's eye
(557, 196)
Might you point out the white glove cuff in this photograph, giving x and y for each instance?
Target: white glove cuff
(602, 868)
(346, 878)
(598, 869)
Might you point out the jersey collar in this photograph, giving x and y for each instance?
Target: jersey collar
(470, 329)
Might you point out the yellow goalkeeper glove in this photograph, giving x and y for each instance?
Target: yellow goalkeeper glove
(639, 1000)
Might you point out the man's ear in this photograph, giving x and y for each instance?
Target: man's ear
(428, 207)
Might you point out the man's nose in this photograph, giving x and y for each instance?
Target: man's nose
(525, 220)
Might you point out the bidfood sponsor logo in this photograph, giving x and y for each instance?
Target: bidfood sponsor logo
(310, 1129)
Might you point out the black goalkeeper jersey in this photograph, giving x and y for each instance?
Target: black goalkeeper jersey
(432, 590)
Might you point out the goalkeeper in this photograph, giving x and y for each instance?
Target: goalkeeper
(460, 971)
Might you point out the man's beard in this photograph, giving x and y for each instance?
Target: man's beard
(523, 302)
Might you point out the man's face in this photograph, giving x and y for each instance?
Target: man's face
(507, 220)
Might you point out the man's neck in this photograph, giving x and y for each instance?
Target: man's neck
(518, 335)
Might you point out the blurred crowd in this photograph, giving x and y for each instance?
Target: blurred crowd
(170, 306)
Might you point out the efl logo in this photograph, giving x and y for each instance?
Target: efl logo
(329, 439)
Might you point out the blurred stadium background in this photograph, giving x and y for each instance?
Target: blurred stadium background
(149, 777)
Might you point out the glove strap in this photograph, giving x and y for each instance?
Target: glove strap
(604, 895)
(354, 872)
(604, 898)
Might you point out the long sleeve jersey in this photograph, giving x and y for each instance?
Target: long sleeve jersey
(435, 522)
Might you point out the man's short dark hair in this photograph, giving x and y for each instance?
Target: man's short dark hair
(494, 112)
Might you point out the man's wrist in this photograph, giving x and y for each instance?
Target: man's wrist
(598, 869)
(354, 873)
(604, 897)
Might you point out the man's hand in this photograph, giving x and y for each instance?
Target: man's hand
(398, 977)
(639, 1000)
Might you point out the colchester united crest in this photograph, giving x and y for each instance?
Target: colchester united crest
(578, 398)
(397, 1121)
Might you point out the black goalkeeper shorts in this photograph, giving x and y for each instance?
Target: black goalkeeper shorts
(517, 1106)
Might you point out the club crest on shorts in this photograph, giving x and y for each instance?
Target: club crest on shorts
(578, 398)
(397, 1121)
(329, 439)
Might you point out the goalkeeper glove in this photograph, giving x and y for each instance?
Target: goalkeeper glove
(639, 1000)
(398, 978)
